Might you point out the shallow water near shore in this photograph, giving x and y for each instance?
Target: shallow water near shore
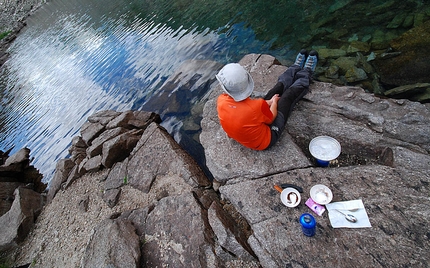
(76, 57)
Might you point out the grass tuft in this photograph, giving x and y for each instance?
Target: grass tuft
(4, 34)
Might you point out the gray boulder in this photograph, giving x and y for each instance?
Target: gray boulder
(114, 244)
(157, 155)
(106, 138)
(19, 220)
(90, 131)
(22, 157)
(97, 144)
(17, 172)
(175, 234)
(62, 171)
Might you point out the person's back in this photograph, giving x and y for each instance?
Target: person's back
(245, 121)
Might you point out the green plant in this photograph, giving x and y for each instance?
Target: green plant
(125, 180)
(4, 34)
(4, 263)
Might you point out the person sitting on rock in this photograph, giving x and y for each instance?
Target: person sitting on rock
(258, 123)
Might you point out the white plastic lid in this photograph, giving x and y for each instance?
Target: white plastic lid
(324, 148)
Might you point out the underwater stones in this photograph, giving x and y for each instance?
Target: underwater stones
(412, 63)
(420, 92)
(419, 19)
(331, 53)
(379, 40)
(332, 72)
(383, 60)
(358, 46)
(397, 21)
(409, 21)
(344, 63)
(355, 74)
(338, 5)
(403, 89)
(363, 62)
(190, 80)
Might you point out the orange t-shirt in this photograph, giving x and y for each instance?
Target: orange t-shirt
(246, 121)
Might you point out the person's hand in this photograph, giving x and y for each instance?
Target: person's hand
(273, 100)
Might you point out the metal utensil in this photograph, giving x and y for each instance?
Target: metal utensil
(348, 217)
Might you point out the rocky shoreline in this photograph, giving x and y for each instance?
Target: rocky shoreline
(12, 19)
(14, 13)
(131, 197)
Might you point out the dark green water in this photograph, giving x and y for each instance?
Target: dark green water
(75, 57)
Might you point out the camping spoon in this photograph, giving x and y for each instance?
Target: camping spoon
(348, 217)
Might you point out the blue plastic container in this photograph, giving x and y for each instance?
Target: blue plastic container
(324, 149)
(322, 163)
(308, 223)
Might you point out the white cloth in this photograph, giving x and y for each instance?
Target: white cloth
(353, 207)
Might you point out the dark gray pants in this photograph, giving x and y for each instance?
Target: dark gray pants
(292, 85)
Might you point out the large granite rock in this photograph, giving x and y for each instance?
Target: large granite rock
(62, 171)
(19, 220)
(20, 197)
(384, 162)
(114, 244)
(106, 138)
(227, 159)
(155, 208)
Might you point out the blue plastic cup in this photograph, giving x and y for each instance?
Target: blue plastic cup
(308, 223)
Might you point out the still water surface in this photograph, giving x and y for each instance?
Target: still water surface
(76, 57)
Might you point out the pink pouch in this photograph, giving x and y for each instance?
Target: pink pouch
(317, 208)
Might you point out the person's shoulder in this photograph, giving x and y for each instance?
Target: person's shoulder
(225, 97)
(256, 100)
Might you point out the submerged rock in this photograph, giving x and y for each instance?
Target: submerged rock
(411, 65)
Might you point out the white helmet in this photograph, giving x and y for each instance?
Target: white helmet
(236, 81)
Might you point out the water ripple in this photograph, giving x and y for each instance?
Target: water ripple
(71, 62)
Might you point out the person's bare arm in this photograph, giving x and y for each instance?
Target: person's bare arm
(273, 104)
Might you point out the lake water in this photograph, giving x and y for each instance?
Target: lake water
(77, 57)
